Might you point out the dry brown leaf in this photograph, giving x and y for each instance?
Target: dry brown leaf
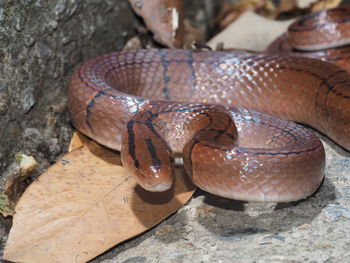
(286, 6)
(325, 4)
(303, 4)
(192, 35)
(164, 18)
(78, 139)
(231, 11)
(250, 32)
(133, 43)
(83, 205)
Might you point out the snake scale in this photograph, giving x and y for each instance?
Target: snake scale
(230, 115)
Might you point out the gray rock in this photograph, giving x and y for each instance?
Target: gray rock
(41, 43)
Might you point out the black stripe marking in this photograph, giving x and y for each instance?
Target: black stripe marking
(298, 27)
(325, 81)
(329, 86)
(190, 64)
(152, 150)
(166, 79)
(132, 147)
(88, 110)
(190, 154)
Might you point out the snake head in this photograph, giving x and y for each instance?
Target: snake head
(147, 157)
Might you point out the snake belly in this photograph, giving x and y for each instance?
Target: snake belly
(217, 110)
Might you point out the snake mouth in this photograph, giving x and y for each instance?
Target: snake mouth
(160, 187)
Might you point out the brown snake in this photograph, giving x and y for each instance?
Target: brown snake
(154, 104)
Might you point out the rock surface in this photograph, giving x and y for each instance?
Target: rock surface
(41, 42)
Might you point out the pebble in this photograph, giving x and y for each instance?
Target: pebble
(27, 99)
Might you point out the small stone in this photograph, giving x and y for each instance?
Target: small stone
(66, 40)
(26, 163)
(27, 99)
(52, 25)
(43, 51)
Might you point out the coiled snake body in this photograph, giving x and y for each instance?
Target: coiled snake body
(154, 104)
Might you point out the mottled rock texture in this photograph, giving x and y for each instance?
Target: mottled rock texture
(41, 42)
